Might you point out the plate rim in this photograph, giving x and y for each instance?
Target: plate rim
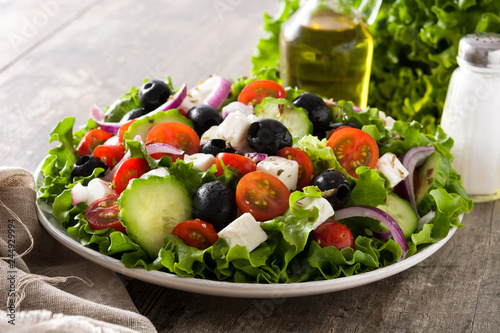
(225, 288)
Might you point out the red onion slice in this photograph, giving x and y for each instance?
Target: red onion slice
(379, 215)
(154, 148)
(97, 116)
(256, 157)
(413, 158)
(212, 91)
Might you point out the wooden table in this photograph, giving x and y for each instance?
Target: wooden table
(57, 58)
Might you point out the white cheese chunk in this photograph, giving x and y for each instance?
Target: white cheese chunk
(160, 172)
(209, 134)
(236, 106)
(97, 189)
(284, 169)
(387, 120)
(392, 168)
(244, 231)
(201, 162)
(253, 118)
(234, 130)
(325, 209)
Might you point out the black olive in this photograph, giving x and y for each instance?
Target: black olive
(335, 187)
(317, 110)
(85, 166)
(215, 203)
(353, 124)
(153, 94)
(203, 117)
(215, 146)
(135, 113)
(268, 136)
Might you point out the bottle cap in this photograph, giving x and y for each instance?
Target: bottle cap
(480, 50)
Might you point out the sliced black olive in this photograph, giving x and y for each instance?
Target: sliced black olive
(153, 94)
(353, 124)
(334, 186)
(317, 110)
(268, 136)
(136, 113)
(215, 146)
(203, 117)
(215, 203)
(85, 166)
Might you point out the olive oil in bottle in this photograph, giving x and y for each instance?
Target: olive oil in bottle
(327, 53)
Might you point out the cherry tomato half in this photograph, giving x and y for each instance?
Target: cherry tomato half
(128, 170)
(242, 164)
(196, 233)
(109, 154)
(92, 139)
(354, 148)
(124, 128)
(103, 213)
(334, 234)
(262, 195)
(179, 135)
(256, 91)
(306, 168)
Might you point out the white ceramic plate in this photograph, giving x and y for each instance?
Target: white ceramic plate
(227, 289)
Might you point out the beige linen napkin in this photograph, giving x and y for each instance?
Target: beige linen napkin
(45, 287)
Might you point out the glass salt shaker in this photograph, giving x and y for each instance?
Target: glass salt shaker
(471, 115)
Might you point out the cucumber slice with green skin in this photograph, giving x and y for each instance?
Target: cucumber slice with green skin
(402, 212)
(150, 209)
(295, 119)
(143, 126)
(432, 175)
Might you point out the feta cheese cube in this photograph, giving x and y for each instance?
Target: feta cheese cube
(392, 168)
(325, 209)
(160, 172)
(209, 134)
(234, 130)
(201, 162)
(97, 189)
(387, 120)
(244, 231)
(284, 169)
(237, 106)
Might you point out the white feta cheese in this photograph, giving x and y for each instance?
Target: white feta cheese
(97, 189)
(201, 162)
(387, 120)
(284, 169)
(325, 209)
(244, 231)
(209, 134)
(79, 193)
(236, 106)
(253, 118)
(234, 130)
(392, 168)
(160, 172)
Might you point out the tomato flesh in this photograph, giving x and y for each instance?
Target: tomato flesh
(128, 170)
(196, 233)
(181, 136)
(92, 139)
(109, 154)
(306, 167)
(256, 91)
(334, 234)
(240, 163)
(103, 213)
(262, 195)
(354, 148)
(124, 128)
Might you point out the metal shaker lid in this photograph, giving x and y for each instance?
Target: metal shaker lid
(480, 50)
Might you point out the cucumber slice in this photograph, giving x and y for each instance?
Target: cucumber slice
(433, 174)
(402, 212)
(143, 126)
(150, 209)
(295, 119)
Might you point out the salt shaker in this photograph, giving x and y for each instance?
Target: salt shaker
(471, 115)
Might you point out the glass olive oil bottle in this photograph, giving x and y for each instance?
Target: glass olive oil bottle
(327, 52)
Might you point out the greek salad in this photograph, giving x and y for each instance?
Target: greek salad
(249, 181)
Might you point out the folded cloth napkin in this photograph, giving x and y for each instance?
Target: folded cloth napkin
(45, 287)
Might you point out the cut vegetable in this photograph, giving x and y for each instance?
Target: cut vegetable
(212, 91)
(412, 159)
(151, 208)
(379, 215)
(402, 212)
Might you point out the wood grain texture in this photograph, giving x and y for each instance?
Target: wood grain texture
(94, 51)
